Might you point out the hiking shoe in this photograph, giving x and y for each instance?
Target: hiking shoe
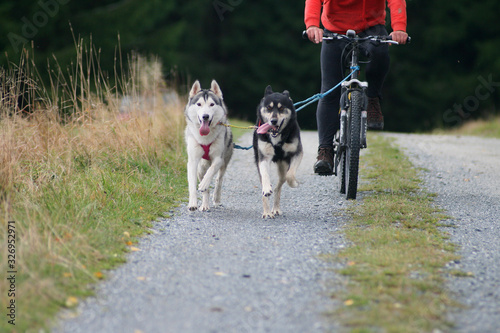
(375, 118)
(324, 163)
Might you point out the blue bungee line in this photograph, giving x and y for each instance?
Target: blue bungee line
(319, 96)
(240, 147)
(311, 100)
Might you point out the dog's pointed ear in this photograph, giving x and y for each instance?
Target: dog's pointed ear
(287, 94)
(195, 89)
(268, 91)
(216, 89)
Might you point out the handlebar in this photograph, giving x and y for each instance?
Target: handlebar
(351, 35)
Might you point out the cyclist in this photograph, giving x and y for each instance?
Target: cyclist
(366, 17)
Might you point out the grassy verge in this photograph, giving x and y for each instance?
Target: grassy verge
(489, 128)
(81, 179)
(395, 266)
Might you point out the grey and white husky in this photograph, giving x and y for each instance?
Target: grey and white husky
(209, 144)
(276, 139)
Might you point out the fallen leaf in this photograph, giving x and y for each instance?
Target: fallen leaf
(71, 301)
(216, 309)
(134, 249)
(129, 243)
(141, 278)
(351, 263)
(98, 275)
(220, 273)
(67, 274)
(349, 302)
(126, 234)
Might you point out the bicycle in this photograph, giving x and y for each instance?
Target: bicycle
(351, 137)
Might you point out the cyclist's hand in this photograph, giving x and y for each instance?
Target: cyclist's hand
(315, 34)
(399, 36)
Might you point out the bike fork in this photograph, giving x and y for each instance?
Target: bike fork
(343, 123)
(343, 128)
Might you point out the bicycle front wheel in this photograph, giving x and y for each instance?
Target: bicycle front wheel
(351, 158)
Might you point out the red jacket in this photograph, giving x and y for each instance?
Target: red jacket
(341, 15)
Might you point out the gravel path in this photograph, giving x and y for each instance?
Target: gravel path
(465, 173)
(229, 270)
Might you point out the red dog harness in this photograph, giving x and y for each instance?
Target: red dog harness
(206, 149)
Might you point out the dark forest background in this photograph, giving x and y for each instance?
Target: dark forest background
(450, 72)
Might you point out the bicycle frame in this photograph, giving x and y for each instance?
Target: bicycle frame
(351, 136)
(347, 87)
(353, 118)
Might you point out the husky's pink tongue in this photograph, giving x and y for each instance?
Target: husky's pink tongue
(264, 128)
(204, 129)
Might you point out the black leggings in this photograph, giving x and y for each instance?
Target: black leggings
(332, 72)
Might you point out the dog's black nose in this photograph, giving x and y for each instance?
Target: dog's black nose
(205, 117)
(274, 122)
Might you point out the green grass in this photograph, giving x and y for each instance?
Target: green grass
(83, 190)
(84, 225)
(395, 266)
(75, 227)
(238, 132)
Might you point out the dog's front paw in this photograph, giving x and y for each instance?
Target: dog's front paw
(277, 212)
(204, 208)
(192, 208)
(267, 215)
(204, 184)
(292, 182)
(267, 191)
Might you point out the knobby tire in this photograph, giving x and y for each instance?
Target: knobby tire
(350, 161)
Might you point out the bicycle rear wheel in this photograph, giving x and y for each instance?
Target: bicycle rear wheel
(350, 160)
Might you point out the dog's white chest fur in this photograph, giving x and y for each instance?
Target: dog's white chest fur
(291, 147)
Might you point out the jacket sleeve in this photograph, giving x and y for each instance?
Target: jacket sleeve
(397, 9)
(312, 13)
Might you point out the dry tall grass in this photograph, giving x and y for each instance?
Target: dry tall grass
(58, 140)
(42, 145)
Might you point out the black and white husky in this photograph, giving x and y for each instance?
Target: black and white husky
(209, 144)
(276, 139)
